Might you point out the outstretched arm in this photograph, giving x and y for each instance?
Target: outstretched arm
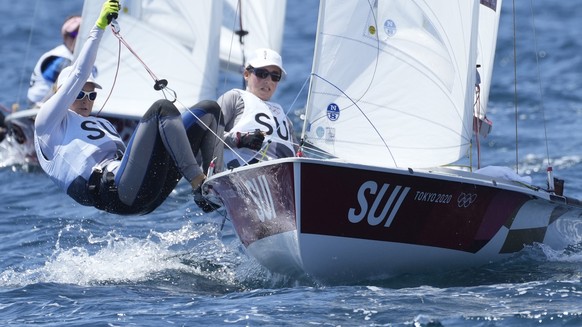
(52, 113)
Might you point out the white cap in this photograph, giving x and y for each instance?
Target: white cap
(264, 57)
(67, 71)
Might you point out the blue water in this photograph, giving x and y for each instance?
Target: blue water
(62, 264)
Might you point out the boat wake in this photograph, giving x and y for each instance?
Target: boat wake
(191, 258)
(113, 258)
(203, 257)
(571, 254)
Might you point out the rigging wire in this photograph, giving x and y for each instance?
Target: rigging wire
(241, 34)
(114, 80)
(16, 104)
(237, 10)
(549, 167)
(515, 90)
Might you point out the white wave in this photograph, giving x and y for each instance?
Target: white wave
(126, 259)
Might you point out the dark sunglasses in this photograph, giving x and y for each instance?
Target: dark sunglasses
(91, 95)
(262, 73)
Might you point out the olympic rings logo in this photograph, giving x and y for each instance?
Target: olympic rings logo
(466, 199)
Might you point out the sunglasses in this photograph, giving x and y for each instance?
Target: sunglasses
(90, 95)
(263, 73)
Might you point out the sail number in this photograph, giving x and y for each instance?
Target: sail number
(378, 194)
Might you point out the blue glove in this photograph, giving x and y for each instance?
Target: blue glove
(108, 12)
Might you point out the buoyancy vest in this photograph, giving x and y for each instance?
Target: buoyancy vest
(39, 86)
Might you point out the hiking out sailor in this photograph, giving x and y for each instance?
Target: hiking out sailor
(256, 129)
(85, 156)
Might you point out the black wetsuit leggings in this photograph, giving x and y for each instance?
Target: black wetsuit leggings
(159, 155)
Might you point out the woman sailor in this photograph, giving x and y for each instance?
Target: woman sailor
(86, 157)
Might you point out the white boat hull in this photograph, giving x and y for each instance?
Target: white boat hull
(343, 222)
(17, 147)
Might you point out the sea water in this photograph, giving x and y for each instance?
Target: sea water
(62, 264)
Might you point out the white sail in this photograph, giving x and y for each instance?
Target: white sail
(177, 39)
(407, 98)
(264, 20)
(489, 12)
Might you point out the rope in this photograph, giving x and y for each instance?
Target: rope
(241, 34)
(540, 84)
(549, 169)
(515, 90)
(238, 9)
(159, 85)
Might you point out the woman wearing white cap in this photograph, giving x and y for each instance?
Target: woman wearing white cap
(50, 64)
(85, 156)
(256, 129)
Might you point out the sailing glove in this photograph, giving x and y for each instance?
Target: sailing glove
(108, 12)
(252, 140)
(201, 202)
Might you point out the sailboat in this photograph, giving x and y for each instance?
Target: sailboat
(376, 189)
